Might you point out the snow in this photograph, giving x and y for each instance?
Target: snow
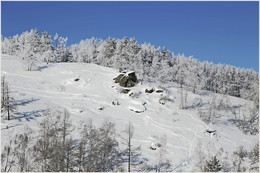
(55, 86)
(127, 73)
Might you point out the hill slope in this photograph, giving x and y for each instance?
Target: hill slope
(55, 86)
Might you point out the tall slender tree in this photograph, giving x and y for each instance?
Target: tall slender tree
(132, 153)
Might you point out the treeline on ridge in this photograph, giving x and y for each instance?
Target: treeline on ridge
(150, 63)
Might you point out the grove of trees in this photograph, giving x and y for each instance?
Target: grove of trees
(55, 148)
(150, 63)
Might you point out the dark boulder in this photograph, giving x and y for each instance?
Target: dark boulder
(159, 91)
(149, 90)
(101, 108)
(211, 131)
(125, 91)
(126, 80)
(132, 76)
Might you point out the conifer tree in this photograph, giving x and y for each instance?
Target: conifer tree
(212, 165)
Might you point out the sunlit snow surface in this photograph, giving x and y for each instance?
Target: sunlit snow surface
(54, 85)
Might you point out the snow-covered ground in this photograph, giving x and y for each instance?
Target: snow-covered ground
(54, 85)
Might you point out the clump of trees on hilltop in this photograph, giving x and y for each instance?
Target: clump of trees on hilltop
(150, 63)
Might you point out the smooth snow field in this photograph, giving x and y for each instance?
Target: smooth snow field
(54, 86)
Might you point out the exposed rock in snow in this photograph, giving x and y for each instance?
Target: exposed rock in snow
(128, 79)
(159, 91)
(123, 90)
(149, 90)
(153, 146)
(117, 79)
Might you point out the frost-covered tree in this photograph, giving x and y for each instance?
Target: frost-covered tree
(47, 48)
(45, 148)
(200, 157)
(163, 163)
(8, 157)
(212, 165)
(211, 159)
(106, 52)
(61, 53)
(86, 51)
(98, 149)
(35, 48)
(133, 49)
(193, 79)
(180, 76)
(67, 143)
(121, 54)
(239, 156)
(109, 154)
(51, 152)
(150, 63)
(145, 57)
(254, 158)
(24, 151)
(87, 150)
(165, 66)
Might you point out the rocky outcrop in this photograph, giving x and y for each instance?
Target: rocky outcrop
(128, 79)
(117, 79)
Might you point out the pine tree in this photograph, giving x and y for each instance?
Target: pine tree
(213, 165)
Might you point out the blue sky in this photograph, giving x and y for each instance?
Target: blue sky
(221, 32)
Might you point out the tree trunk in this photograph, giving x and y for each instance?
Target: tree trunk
(8, 103)
(129, 151)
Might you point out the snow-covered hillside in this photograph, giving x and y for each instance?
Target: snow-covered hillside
(54, 86)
